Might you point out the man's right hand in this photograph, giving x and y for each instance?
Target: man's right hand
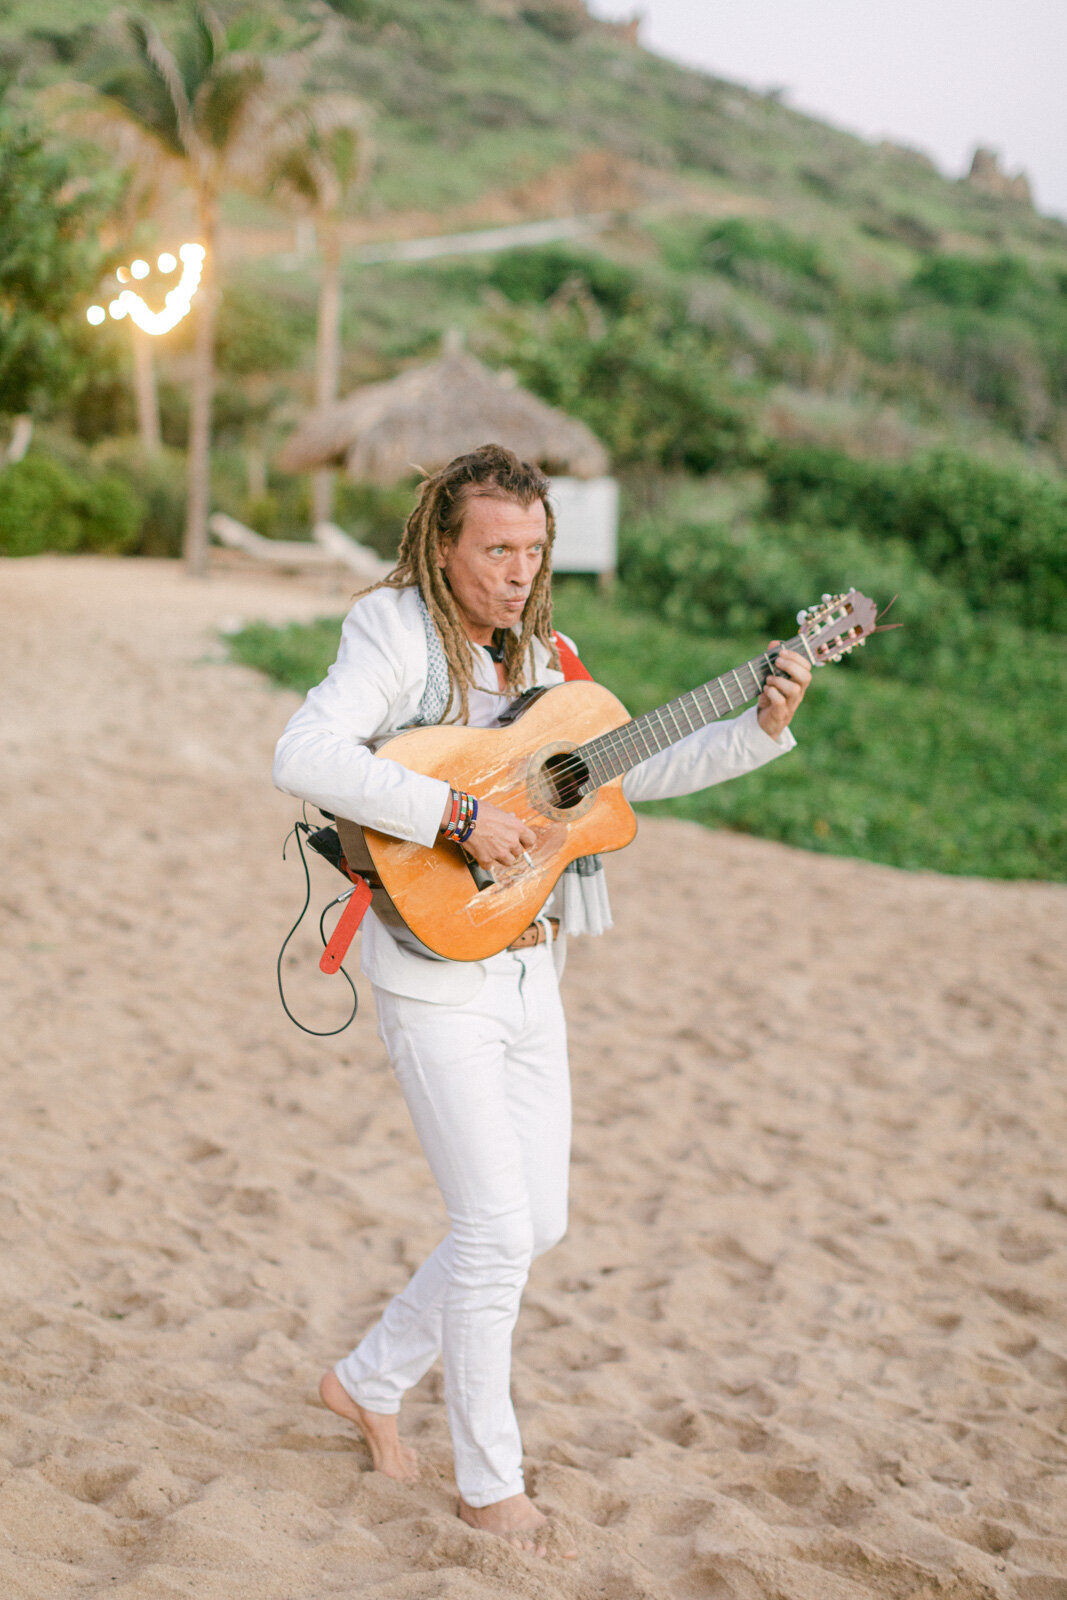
(499, 838)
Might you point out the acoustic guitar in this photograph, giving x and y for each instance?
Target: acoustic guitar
(557, 761)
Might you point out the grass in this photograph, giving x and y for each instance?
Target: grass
(946, 779)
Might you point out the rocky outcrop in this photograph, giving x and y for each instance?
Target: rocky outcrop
(988, 175)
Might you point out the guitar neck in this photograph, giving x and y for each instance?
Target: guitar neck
(612, 754)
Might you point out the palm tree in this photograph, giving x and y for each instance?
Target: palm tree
(204, 109)
(138, 200)
(321, 166)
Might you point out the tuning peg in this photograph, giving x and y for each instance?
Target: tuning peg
(802, 617)
(826, 598)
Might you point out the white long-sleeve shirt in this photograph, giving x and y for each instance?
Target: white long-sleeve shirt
(326, 755)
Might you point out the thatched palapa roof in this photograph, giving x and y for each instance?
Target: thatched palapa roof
(384, 432)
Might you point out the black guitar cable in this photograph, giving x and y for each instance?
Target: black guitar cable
(318, 1033)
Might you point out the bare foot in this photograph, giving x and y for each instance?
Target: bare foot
(387, 1454)
(515, 1519)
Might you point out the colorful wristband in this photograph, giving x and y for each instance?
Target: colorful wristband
(463, 816)
(472, 818)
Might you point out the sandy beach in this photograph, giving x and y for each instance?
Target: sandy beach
(806, 1338)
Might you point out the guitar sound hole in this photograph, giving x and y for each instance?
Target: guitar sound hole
(566, 773)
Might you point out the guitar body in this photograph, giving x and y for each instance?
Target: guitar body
(434, 890)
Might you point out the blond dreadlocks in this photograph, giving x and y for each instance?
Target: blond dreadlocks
(496, 472)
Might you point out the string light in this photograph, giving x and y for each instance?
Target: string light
(96, 315)
(176, 302)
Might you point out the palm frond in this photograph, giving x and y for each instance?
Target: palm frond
(160, 58)
(295, 173)
(197, 49)
(149, 166)
(323, 146)
(342, 149)
(137, 90)
(227, 98)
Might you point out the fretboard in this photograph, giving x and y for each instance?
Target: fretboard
(611, 754)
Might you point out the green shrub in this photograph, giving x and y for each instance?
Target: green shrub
(157, 478)
(654, 393)
(748, 577)
(37, 509)
(903, 227)
(1002, 363)
(998, 533)
(374, 516)
(111, 512)
(52, 207)
(257, 333)
(957, 280)
(45, 505)
(295, 655)
(738, 239)
(560, 19)
(102, 405)
(282, 512)
(534, 276)
(769, 259)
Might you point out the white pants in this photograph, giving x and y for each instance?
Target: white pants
(488, 1089)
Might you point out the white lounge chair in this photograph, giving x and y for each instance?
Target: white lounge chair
(366, 563)
(278, 552)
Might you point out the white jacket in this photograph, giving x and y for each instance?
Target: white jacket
(326, 756)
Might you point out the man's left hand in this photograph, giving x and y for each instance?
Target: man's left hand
(783, 692)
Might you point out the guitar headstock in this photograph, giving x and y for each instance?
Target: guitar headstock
(837, 625)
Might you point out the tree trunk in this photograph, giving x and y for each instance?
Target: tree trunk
(322, 495)
(327, 356)
(145, 391)
(21, 434)
(198, 502)
(256, 468)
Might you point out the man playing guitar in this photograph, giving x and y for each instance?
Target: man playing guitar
(459, 629)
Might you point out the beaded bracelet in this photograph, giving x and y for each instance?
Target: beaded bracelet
(449, 828)
(471, 820)
(464, 815)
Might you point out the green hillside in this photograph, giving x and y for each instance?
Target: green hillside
(815, 361)
(848, 292)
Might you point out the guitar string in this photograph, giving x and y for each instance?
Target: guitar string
(604, 747)
(616, 740)
(607, 746)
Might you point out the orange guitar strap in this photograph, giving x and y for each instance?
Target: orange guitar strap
(572, 668)
(347, 923)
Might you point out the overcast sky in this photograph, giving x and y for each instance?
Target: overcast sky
(943, 75)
